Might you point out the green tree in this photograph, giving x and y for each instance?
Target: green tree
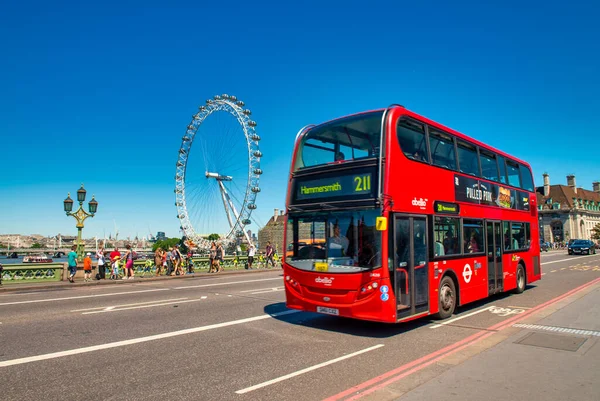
(213, 237)
(36, 245)
(167, 243)
(2, 246)
(596, 232)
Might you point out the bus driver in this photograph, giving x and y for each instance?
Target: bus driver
(337, 245)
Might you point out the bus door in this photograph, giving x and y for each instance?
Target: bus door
(411, 278)
(494, 252)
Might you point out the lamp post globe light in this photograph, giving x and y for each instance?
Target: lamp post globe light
(80, 215)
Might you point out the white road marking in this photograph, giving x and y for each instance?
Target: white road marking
(564, 260)
(118, 306)
(141, 306)
(435, 326)
(81, 297)
(265, 291)
(261, 289)
(229, 282)
(559, 329)
(518, 307)
(309, 369)
(139, 340)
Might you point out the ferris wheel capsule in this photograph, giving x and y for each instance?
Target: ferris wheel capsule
(255, 189)
(217, 97)
(240, 103)
(258, 153)
(225, 96)
(247, 112)
(255, 137)
(232, 98)
(258, 171)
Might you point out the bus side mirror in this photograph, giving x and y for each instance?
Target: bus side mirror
(381, 223)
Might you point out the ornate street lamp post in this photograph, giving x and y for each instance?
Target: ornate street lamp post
(80, 215)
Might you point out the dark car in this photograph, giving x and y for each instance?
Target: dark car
(544, 246)
(581, 246)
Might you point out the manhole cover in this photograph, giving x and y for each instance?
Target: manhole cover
(554, 341)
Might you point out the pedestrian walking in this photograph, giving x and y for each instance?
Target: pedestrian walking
(269, 252)
(115, 257)
(169, 260)
(1, 271)
(87, 267)
(220, 257)
(158, 261)
(101, 275)
(128, 270)
(212, 257)
(251, 253)
(72, 257)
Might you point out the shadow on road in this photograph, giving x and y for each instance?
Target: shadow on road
(363, 328)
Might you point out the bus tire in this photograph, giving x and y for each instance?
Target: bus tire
(520, 279)
(446, 298)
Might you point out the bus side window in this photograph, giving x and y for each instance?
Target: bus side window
(442, 149)
(411, 137)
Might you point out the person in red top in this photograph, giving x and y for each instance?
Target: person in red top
(87, 267)
(115, 256)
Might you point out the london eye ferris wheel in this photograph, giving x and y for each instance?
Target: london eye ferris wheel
(216, 185)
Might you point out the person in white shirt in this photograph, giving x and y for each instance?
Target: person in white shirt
(251, 253)
(337, 245)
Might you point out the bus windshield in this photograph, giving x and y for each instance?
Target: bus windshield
(340, 242)
(350, 138)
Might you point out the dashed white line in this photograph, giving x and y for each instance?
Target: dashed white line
(141, 306)
(81, 297)
(139, 340)
(119, 306)
(309, 369)
(435, 326)
(229, 282)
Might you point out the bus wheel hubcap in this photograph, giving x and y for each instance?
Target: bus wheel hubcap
(446, 298)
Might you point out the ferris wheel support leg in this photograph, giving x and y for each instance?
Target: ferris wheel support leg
(227, 199)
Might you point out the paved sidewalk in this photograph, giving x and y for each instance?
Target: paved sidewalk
(79, 280)
(552, 356)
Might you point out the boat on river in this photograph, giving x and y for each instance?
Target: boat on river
(37, 259)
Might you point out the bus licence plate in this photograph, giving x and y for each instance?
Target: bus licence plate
(329, 311)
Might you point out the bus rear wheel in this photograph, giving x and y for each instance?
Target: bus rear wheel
(447, 298)
(520, 279)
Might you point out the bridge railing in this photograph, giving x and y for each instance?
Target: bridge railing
(39, 272)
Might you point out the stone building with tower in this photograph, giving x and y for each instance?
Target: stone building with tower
(566, 212)
(273, 231)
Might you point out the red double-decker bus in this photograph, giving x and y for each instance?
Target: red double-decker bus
(391, 216)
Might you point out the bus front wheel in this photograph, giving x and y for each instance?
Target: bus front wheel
(447, 298)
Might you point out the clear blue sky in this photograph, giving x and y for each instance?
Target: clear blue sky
(101, 92)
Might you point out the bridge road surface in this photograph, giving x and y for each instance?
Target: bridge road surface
(230, 337)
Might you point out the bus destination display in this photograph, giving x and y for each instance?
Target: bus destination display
(340, 186)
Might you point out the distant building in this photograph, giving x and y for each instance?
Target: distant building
(160, 236)
(566, 212)
(273, 231)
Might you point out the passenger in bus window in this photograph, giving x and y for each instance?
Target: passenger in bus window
(473, 245)
(450, 243)
(339, 156)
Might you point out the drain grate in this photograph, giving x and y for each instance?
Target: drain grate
(554, 341)
(564, 330)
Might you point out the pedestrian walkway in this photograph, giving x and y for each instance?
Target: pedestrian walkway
(552, 356)
(24, 286)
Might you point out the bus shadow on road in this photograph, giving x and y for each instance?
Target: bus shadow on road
(363, 328)
(354, 327)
